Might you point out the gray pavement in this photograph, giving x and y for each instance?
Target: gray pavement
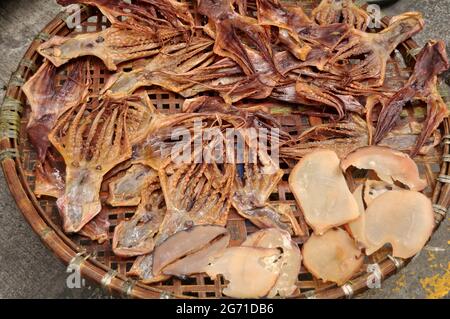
(29, 270)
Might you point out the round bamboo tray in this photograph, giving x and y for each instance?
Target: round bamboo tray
(98, 263)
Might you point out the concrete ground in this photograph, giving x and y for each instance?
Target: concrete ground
(29, 270)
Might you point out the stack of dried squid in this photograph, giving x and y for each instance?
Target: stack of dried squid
(254, 57)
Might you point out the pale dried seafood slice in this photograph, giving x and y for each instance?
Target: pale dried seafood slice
(184, 243)
(198, 261)
(137, 236)
(389, 165)
(251, 272)
(143, 269)
(403, 218)
(332, 256)
(291, 258)
(321, 191)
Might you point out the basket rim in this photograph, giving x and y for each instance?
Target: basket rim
(71, 254)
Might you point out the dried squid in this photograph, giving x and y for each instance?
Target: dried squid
(48, 101)
(333, 11)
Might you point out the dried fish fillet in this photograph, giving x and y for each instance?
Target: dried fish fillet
(48, 101)
(251, 271)
(291, 258)
(136, 236)
(321, 191)
(403, 218)
(91, 144)
(332, 256)
(388, 164)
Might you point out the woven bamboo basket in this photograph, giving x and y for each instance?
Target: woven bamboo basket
(97, 261)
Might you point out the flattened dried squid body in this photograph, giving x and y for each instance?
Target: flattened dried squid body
(48, 102)
(251, 271)
(291, 258)
(112, 46)
(332, 256)
(402, 218)
(388, 164)
(137, 236)
(177, 58)
(91, 144)
(316, 177)
(376, 48)
(98, 228)
(143, 269)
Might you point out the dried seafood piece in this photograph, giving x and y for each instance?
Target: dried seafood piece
(184, 243)
(112, 45)
(332, 11)
(388, 164)
(91, 144)
(233, 30)
(48, 102)
(373, 189)
(50, 176)
(431, 61)
(126, 190)
(316, 177)
(289, 20)
(403, 218)
(356, 227)
(143, 15)
(97, 229)
(136, 236)
(195, 194)
(178, 58)
(332, 256)
(143, 269)
(375, 49)
(198, 261)
(251, 271)
(251, 192)
(290, 261)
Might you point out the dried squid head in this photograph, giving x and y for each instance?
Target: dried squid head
(375, 49)
(256, 179)
(91, 142)
(334, 11)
